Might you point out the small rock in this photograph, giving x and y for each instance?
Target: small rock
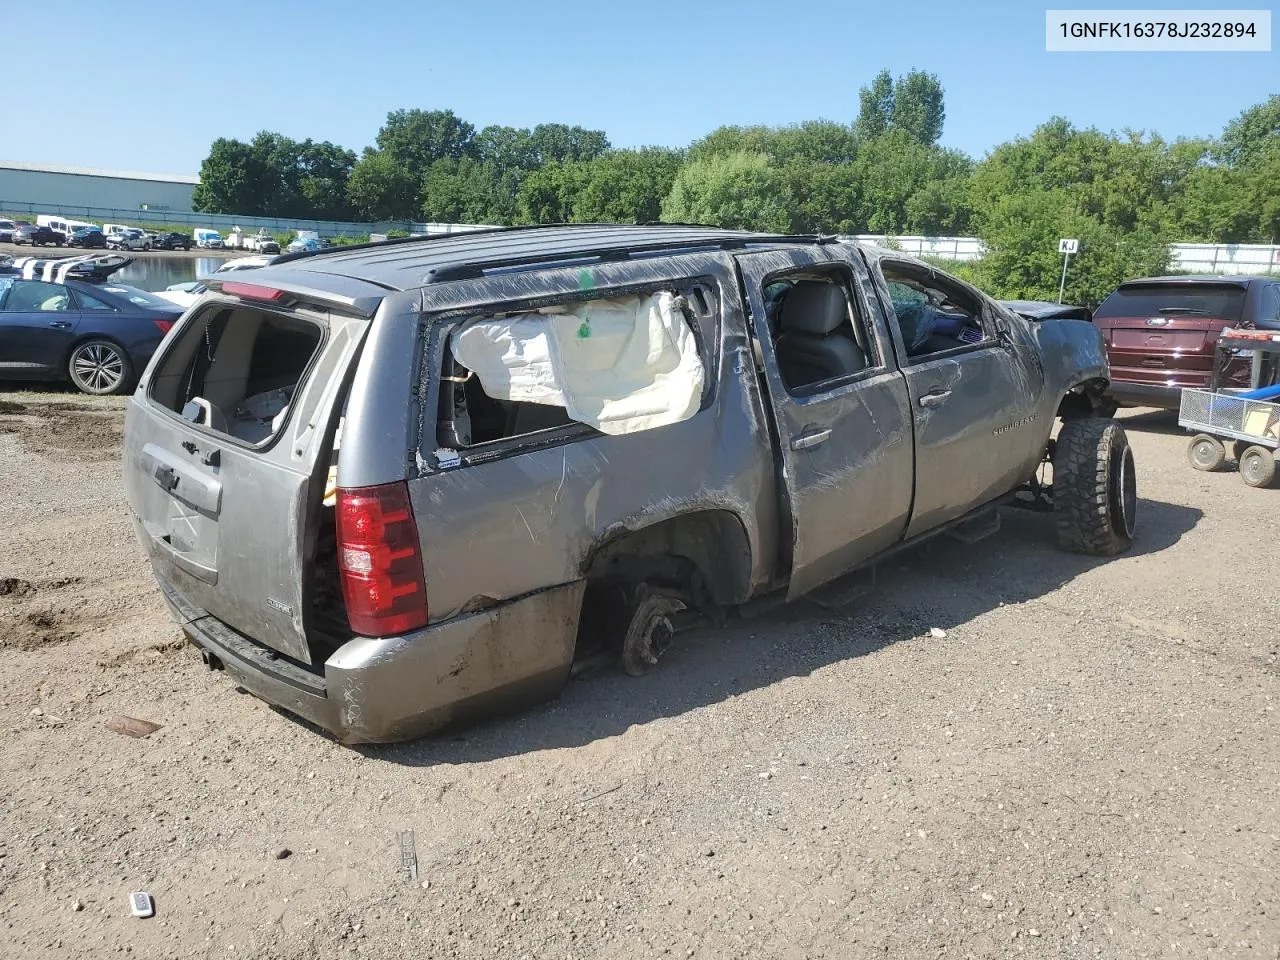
(937, 633)
(766, 775)
(284, 853)
(77, 906)
(1033, 932)
(708, 852)
(426, 884)
(37, 712)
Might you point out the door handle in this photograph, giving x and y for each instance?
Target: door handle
(60, 324)
(934, 398)
(807, 441)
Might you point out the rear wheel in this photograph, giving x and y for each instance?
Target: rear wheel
(1206, 452)
(99, 367)
(1257, 466)
(1095, 487)
(650, 629)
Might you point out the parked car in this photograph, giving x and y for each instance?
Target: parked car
(1036, 310)
(6, 231)
(305, 245)
(208, 239)
(77, 325)
(38, 236)
(567, 436)
(131, 239)
(89, 238)
(172, 241)
(262, 243)
(1161, 332)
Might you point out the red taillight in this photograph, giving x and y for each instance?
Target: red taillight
(164, 325)
(380, 560)
(252, 291)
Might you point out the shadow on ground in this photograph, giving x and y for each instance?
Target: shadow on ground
(942, 583)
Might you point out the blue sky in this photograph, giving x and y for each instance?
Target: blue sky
(661, 72)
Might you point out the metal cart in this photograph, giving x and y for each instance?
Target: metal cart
(1250, 418)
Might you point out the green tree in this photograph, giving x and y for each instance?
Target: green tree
(913, 105)
(1248, 138)
(232, 179)
(875, 107)
(625, 186)
(894, 170)
(558, 143)
(467, 191)
(918, 109)
(1022, 261)
(323, 174)
(735, 191)
(380, 188)
(415, 139)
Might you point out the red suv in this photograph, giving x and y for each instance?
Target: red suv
(1161, 332)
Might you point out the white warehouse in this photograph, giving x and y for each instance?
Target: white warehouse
(49, 184)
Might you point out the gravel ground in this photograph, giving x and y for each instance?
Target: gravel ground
(1087, 764)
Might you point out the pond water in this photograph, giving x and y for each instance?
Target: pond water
(156, 273)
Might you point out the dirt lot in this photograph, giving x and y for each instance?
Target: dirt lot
(1087, 765)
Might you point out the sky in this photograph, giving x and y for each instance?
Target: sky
(146, 85)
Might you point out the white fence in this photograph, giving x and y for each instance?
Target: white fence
(1212, 258)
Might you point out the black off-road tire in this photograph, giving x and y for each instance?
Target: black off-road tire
(1095, 491)
(1206, 452)
(1257, 466)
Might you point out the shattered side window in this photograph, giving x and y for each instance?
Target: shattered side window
(619, 366)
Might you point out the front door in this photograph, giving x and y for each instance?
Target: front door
(973, 390)
(37, 326)
(840, 409)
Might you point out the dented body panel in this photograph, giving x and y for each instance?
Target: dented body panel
(761, 489)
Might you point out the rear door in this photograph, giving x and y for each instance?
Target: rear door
(38, 324)
(841, 413)
(224, 503)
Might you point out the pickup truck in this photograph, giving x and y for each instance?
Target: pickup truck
(396, 485)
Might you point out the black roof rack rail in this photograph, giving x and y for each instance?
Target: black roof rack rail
(437, 237)
(474, 269)
(389, 242)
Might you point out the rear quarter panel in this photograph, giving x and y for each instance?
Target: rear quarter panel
(496, 530)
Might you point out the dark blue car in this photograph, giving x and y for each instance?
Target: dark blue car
(68, 321)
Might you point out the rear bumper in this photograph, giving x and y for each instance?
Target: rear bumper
(396, 688)
(1145, 394)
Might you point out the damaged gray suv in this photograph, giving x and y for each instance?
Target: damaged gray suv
(391, 486)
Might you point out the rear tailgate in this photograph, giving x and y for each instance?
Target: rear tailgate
(222, 492)
(1165, 333)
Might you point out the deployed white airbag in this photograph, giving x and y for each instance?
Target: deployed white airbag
(618, 365)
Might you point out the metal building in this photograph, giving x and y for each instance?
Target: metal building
(23, 185)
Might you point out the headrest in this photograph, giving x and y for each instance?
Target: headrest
(815, 308)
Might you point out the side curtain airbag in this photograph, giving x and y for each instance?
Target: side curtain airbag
(617, 365)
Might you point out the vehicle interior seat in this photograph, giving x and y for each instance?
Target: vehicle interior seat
(816, 342)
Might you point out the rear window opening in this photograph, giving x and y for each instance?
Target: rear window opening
(236, 372)
(1215, 301)
(617, 366)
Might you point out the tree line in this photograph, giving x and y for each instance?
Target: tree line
(1126, 195)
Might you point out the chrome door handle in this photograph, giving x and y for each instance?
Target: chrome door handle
(934, 399)
(807, 441)
(60, 324)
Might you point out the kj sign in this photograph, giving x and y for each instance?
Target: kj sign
(1068, 246)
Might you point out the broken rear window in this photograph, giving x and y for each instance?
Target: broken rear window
(236, 371)
(618, 365)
